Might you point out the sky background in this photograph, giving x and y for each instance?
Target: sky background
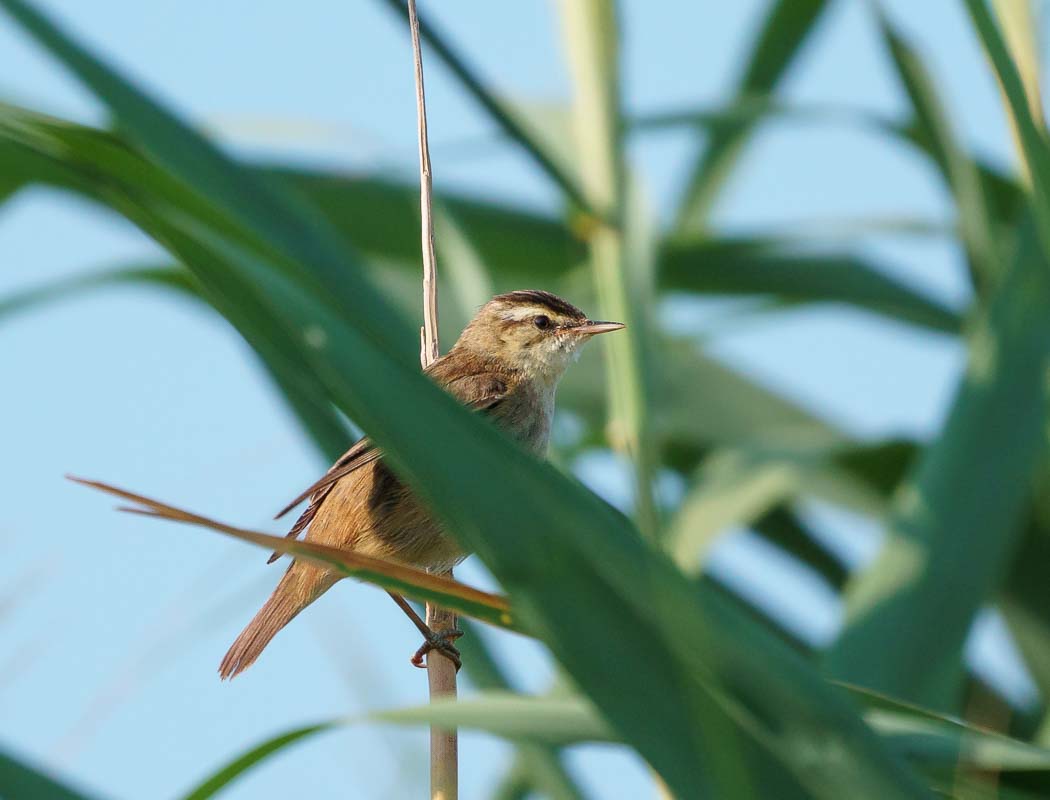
(111, 627)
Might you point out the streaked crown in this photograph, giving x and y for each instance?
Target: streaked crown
(531, 330)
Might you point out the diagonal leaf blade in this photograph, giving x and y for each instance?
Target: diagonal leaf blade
(1030, 133)
(770, 267)
(394, 577)
(20, 780)
(283, 222)
(508, 120)
(787, 26)
(953, 528)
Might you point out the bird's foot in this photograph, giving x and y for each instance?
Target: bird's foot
(441, 641)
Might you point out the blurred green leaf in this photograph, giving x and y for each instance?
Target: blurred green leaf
(1024, 602)
(512, 123)
(954, 528)
(881, 465)
(1030, 133)
(759, 266)
(214, 783)
(1003, 197)
(960, 173)
(699, 402)
(930, 737)
(733, 488)
(923, 736)
(535, 766)
(380, 216)
(558, 720)
(783, 527)
(621, 251)
(20, 781)
(756, 485)
(100, 166)
(1020, 26)
(162, 276)
(786, 28)
(530, 729)
(278, 221)
(547, 776)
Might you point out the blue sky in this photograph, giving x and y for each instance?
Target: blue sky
(108, 657)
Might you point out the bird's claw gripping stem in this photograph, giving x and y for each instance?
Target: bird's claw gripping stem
(441, 641)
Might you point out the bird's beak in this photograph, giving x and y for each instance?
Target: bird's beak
(591, 327)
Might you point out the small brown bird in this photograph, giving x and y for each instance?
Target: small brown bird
(507, 364)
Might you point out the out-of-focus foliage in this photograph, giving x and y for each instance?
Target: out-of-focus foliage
(318, 272)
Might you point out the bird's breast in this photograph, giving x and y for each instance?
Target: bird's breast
(527, 415)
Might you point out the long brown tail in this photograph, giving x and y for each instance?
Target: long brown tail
(300, 586)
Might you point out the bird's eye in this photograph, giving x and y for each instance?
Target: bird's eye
(542, 322)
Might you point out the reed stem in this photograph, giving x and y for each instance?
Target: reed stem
(441, 672)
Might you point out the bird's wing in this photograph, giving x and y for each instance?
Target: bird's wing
(481, 391)
(362, 452)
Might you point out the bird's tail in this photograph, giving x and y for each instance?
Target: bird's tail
(300, 586)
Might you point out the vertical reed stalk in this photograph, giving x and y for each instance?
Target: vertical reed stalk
(441, 672)
(621, 280)
(1019, 25)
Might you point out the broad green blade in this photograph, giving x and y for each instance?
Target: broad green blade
(752, 266)
(787, 26)
(216, 782)
(954, 527)
(960, 172)
(20, 781)
(278, 220)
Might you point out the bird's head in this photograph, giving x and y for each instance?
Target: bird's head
(532, 331)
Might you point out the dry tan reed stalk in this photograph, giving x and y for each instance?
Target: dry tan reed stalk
(441, 672)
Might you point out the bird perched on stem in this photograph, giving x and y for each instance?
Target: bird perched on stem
(506, 364)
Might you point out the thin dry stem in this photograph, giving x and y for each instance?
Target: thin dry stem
(430, 349)
(441, 672)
